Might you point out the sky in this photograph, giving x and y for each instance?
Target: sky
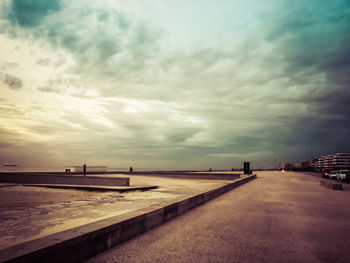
(161, 84)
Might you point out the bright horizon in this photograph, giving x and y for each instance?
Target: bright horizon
(173, 85)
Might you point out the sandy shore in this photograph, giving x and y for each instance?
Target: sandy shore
(27, 213)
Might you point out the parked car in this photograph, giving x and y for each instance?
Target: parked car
(343, 175)
(326, 172)
(333, 175)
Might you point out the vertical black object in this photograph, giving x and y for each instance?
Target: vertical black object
(246, 168)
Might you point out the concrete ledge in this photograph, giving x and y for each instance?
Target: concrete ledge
(187, 175)
(7, 185)
(332, 184)
(99, 188)
(25, 178)
(81, 243)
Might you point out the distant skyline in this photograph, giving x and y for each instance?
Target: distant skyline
(163, 84)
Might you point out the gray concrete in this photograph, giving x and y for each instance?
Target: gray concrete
(332, 184)
(80, 243)
(99, 188)
(214, 175)
(42, 178)
(279, 217)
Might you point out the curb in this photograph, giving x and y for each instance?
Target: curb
(98, 188)
(33, 178)
(331, 185)
(83, 242)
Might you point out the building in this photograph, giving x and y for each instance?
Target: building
(336, 161)
(289, 165)
(80, 169)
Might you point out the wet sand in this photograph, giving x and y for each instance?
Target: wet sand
(27, 213)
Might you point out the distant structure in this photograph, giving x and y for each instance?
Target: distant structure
(80, 169)
(336, 161)
(246, 168)
(290, 165)
(10, 164)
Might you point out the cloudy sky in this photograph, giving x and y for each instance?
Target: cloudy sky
(187, 84)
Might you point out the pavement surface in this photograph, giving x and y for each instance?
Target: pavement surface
(99, 188)
(278, 217)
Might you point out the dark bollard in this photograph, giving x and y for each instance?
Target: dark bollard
(84, 169)
(246, 167)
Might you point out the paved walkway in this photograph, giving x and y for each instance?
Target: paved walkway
(279, 217)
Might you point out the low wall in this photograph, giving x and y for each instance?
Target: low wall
(27, 178)
(331, 184)
(81, 243)
(187, 175)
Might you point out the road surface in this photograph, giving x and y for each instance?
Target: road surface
(278, 217)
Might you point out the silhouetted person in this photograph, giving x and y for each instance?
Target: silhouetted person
(209, 169)
(130, 170)
(84, 169)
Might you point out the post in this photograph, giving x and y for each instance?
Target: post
(246, 167)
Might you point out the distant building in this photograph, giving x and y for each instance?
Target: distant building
(289, 165)
(334, 161)
(79, 169)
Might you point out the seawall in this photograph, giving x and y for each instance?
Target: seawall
(81, 243)
(32, 178)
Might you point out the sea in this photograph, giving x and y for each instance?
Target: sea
(47, 169)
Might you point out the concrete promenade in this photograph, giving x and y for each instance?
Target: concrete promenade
(279, 217)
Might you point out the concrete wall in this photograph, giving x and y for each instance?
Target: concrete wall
(331, 184)
(28, 178)
(89, 169)
(187, 175)
(81, 243)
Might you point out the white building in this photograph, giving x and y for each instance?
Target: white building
(80, 169)
(336, 161)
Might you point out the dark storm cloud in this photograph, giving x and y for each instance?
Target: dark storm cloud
(103, 41)
(12, 82)
(316, 39)
(314, 42)
(29, 13)
(319, 43)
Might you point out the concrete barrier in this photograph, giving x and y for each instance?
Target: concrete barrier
(201, 176)
(96, 188)
(186, 175)
(332, 184)
(81, 243)
(32, 178)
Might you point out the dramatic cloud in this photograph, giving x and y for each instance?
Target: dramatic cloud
(174, 85)
(11, 82)
(28, 13)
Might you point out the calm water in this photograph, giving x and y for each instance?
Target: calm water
(62, 169)
(44, 169)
